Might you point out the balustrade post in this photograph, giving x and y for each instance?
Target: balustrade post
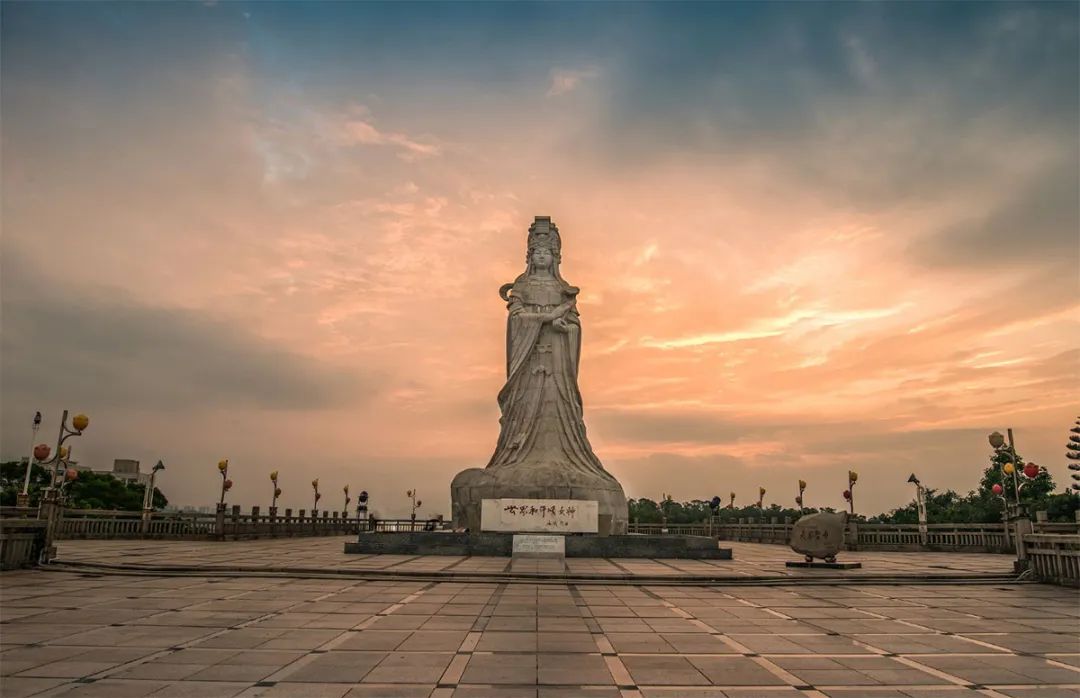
(288, 522)
(256, 525)
(853, 534)
(236, 520)
(1023, 528)
(219, 521)
(50, 511)
(273, 522)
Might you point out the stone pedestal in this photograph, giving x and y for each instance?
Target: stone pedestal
(471, 487)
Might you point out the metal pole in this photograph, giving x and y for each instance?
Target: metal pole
(921, 504)
(30, 460)
(1016, 466)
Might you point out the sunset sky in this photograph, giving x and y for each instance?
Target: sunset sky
(809, 237)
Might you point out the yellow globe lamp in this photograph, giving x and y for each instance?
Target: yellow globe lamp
(273, 476)
(1009, 468)
(80, 422)
(223, 465)
(802, 484)
(852, 476)
(315, 483)
(63, 452)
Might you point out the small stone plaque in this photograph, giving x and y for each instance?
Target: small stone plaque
(539, 546)
(539, 515)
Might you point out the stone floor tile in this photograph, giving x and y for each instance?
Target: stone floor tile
(494, 692)
(336, 667)
(289, 689)
(410, 667)
(501, 641)
(500, 669)
(735, 671)
(201, 689)
(15, 687)
(662, 670)
(375, 640)
(388, 691)
(575, 669)
(433, 641)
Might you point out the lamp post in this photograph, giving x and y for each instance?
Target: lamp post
(318, 496)
(920, 504)
(148, 498)
(731, 504)
(1013, 511)
(345, 509)
(276, 493)
(50, 505)
(799, 498)
(148, 495)
(1072, 452)
(361, 511)
(849, 493)
(23, 499)
(761, 500)
(411, 494)
(226, 483)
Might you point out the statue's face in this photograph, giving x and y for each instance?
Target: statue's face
(542, 258)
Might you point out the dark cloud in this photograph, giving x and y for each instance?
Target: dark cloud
(1038, 222)
(91, 346)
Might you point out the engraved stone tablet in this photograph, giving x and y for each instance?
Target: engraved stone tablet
(539, 546)
(539, 515)
(819, 535)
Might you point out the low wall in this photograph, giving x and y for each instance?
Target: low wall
(1054, 557)
(501, 545)
(969, 538)
(21, 542)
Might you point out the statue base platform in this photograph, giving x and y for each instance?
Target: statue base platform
(826, 565)
(502, 545)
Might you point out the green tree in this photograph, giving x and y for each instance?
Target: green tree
(103, 491)
(11, 482)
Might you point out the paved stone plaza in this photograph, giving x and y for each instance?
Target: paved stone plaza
(325, 554)
(83, 633)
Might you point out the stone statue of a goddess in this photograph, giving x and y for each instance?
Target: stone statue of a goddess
(542, 452)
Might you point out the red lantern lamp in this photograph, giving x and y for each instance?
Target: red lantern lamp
(847, 494)
(997, 489)
(1031, 470)
(42, 451)
(71, 474)
(227, 484)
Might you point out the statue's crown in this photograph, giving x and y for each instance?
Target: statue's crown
(544, 233)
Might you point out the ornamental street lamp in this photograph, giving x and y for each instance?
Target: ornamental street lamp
(226, 483)
(1012, 509)
(361, 511)
(24, 496)
(1072, 452)
(761, 498)
(345, 509)
(277, 490)
(148, 495)
(849, 493)
(799, 497)
(318, 496)
(731, 504)
(416, 504)
(58, 468)
(59, 462)
(920, 504)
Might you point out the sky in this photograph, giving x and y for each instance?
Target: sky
(810, 238)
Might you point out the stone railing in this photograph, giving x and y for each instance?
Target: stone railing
(1054, 557)
(226, 523)
(21, 541)
(992, 538)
